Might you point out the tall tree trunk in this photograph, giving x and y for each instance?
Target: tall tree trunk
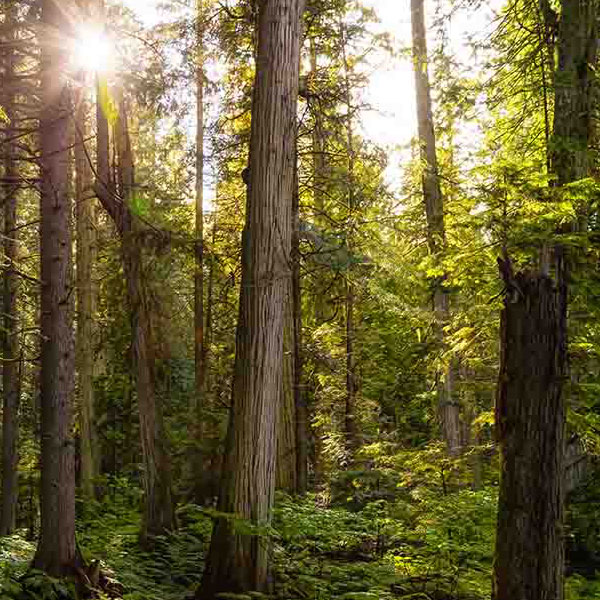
(350, 417)
(237, 560)
(159, 510)
(320, 285)
(10, 359)
(86, 253)
(198, 465)
(285, 474)
(448, 406)
(56, 553)
(529, 557)
(319, 178)
(301, 409)
(575, 87)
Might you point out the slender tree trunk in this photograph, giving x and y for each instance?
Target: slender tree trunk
(320, 286)
(56, 553)
(198, 465)
(350, 424)
(448, 406)
(159, 510)
(529, 558)
(237, 560)
(86, 252)
(10, 363)
(285, 476)
(292, 445)
(319, 179)
(350, 417)
(301, 409)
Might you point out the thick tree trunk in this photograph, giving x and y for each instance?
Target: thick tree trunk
(529, 560)
(56, 553)
(530, 423)
(238, 560)
(448, 407)
(10, 359)
(86, 253)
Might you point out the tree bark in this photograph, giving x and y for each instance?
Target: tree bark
(350, 418)
(56, 553)
(530, 423)
(198, 466)
(301, 409)
(529, 558)
(285, 475)
(448, 407)
(10, 340)
(159, 510)
(86, 253)
(575, 85)
(319, 176)
(237, 559)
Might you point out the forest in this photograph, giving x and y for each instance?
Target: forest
(261, 341)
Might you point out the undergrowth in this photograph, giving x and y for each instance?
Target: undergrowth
(424, 543)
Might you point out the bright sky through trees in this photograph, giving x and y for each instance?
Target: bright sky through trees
(92, 50)
(391, 121)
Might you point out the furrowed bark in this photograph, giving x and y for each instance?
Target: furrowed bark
(529, 557)
(10, 341)
(238, 557)
(530, 421)
(56, 553)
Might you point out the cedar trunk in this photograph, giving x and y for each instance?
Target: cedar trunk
(238, 557)
(198, 464)
(529, 559)
(86, 253)
(530, 420)
(159, 510)
(56, 553)
(11, 351)
(301, 409)
(448, 408)
(350, 417)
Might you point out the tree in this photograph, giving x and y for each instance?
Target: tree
(56, 553)
(434, 208)
(529, 558)
(85, 216)
(117, 196)
(238, 559)
(200, 355)
(11, 365)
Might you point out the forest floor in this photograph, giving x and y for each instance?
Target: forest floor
(426, 547)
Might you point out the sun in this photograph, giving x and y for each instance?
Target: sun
(92, 50)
